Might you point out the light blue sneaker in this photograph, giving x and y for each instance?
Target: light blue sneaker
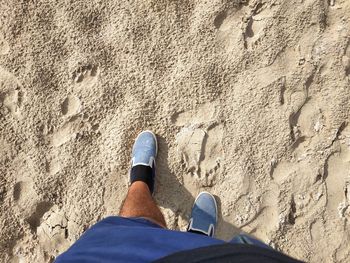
(204, 215)
(143, 162)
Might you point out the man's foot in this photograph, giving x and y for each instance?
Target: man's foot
(204, 215)
(143, 163)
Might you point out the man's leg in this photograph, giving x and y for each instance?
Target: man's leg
(139, 203)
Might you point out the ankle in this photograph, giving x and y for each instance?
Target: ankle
(139, 186)
(143, 173)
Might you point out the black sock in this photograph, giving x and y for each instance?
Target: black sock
(144, 174)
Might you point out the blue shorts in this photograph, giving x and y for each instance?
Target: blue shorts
(136, 240)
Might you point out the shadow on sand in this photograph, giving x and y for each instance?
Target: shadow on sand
(170, 193)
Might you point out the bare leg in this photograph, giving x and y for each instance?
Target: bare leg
(139, 203)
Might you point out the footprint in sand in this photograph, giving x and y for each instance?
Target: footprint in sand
(85, 79)
(317, 230)
(306, 121)
(306, 117)
(259, 218)
(338, 182)
(337, 205)
(346, 59)
(11, 93)
(299, 201)
(86, 74)
(71, 106)
(4, 46)
(203, 114)
(23, 194)
(67, 132)
(53, 164)
(311, 119)
(317, 233)
(229, 28)
(255, 28)
(53, 231)
(199, 142)
(26, 200)
(34, 220)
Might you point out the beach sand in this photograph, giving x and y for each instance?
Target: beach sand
(249, 100)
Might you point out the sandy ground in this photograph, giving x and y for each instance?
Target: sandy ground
(249, 100)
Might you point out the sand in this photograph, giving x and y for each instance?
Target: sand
(249, 100)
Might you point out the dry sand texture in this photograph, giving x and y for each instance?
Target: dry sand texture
(249, 99)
